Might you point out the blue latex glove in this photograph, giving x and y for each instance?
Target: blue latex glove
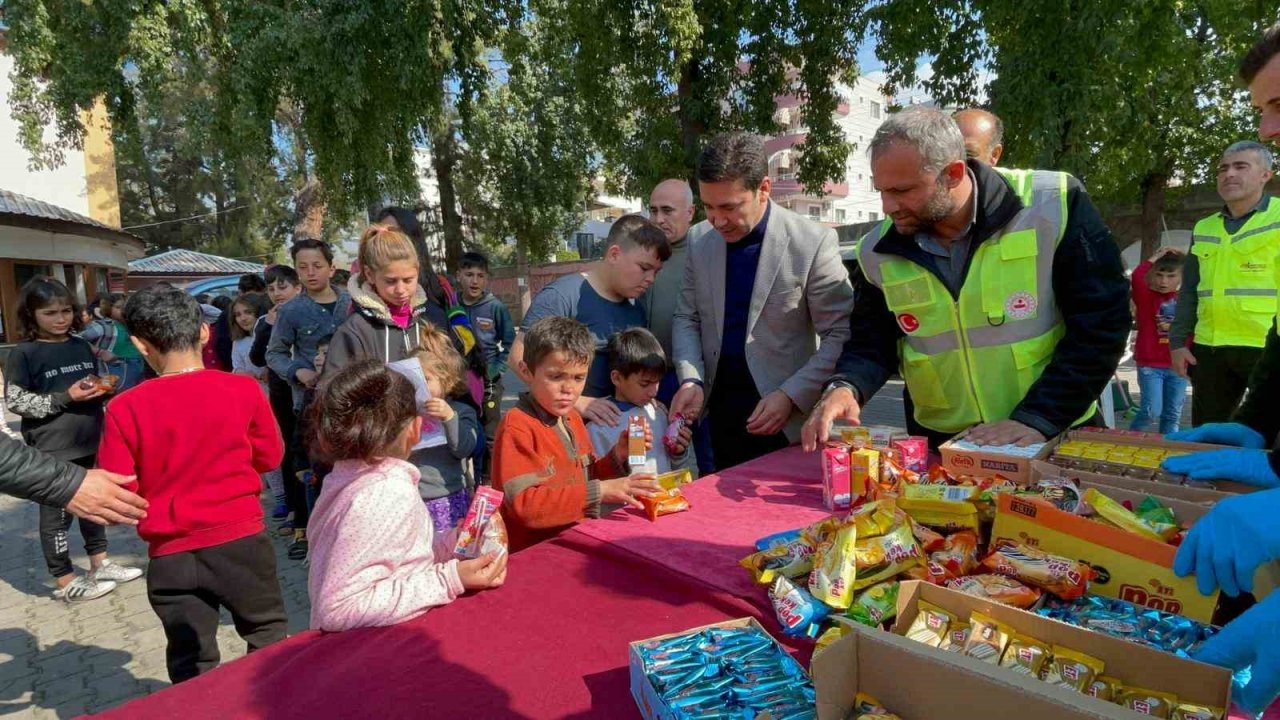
(1253, 639)
(1233, 434)
(1229, 543)
(1251, 467)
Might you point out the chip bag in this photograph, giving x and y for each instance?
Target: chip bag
(997, 588)
(793, 559)
(798, 613)
(861, 553)
(875, 605)
(1066, 578)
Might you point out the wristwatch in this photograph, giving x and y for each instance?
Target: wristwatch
(834, 384)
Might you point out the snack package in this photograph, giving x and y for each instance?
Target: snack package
(778, 538)
(1025, 655)
(876, 605)
(851, 560)
(1061, 493)
(1151, 510)
(864, 703)
(855, 436)
(483, 506)
(793, 559)
(671, 438)
(987, 639)
(915, 453)
(1148, 702)
(1186, 711)
(1104, 688)
(798, 613)
(952, 493)
(929, 539)
(670, 499)
(1121, 517)
(1066, 578)
(1072, 669)
(894, 479)
(938, 475)
(956, 638)
(931, 624)
(828, 636)
(959, 554)
(998, 588)
(882, 436)
(106, 383)
(836, 487)
(637, 453)
(864, 475)
(941, 515)
(493, 539)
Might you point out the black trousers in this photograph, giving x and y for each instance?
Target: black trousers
(299, 460)
(186, 590)
(55, 537)
(491, 416)
(1218, 380)
(728, 408)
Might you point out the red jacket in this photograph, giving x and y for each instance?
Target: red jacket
(198, 442)
(1154, 313)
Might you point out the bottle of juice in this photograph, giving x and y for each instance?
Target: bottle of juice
(637, 454)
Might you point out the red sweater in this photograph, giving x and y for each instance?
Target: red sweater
(545, 467)
(198, 442)
(1154, 313)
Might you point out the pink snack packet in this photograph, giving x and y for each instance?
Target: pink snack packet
(672, 434)
(483, 506)
(837, 490)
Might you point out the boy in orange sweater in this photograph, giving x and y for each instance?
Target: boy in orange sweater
(542, 456)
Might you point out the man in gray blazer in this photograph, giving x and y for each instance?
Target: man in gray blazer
(763, 311)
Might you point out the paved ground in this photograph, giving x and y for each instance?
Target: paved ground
(61, 661)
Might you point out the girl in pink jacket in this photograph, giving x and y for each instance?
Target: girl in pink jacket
(375, 559)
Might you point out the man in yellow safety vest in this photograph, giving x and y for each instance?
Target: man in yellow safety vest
(998, 295)
(1228, 295)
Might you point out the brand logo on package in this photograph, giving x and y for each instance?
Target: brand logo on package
(908, 322)
(998, 465)
(1139, 596)
(962, 461)
(1022, 508)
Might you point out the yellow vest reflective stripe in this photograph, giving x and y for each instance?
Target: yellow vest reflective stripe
(974, 359)
(1237, 291)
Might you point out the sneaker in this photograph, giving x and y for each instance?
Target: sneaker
(116, 572)
(84, 589)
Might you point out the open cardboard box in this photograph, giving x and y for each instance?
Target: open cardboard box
(988, 464)
(1132, 664)
(1199, 496)
(1224, 487)
(916, 682)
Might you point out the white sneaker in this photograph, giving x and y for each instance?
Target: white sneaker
(116, 573)
(84, 589)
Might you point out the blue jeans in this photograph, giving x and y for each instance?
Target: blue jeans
(1163, 393)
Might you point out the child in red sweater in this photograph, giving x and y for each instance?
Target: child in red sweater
(198, 440)
(542, 457)
(1155, 297)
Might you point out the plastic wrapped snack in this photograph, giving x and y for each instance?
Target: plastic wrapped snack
(493, 538)
(929, 539)
(485, 503)
(1072, 669)
(959, 554)
(798, 613)
(943, 515)
(792, 559)
(956, 638)
(848, 561)
(1066, 578)
(671, 438)
(1148, 702)
(778, 538)
(931, 624)
(1025, 655)
(664, 502)
(828, 636)
(876, 605)
(1104, 688)
(1187, 711)
(1120, 516)
(987, 639)
(997, 588)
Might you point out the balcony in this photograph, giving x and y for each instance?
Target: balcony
(786, 186)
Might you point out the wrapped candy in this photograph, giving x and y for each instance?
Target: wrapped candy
(1148, 702)
(1025, 655)
(931, 624)
(997, 588)
(1066, 578)
(958, 556)
(987, 639)
(798, 612)
(1117, 618)
(1072, 669)
(1120, 516)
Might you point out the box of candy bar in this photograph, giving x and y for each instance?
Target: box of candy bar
(1055, 654)
(1012, 462)
(729, 667)
(1129, 456)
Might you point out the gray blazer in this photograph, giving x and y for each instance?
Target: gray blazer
(799, 317)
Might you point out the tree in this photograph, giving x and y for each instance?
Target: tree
(658, 75)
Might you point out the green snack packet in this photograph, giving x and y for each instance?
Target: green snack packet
(875, 605)
(1152, 511)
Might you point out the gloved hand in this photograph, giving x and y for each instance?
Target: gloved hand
(1253, 639)
(1234, 434)
(1252, 467)
(1229, 543)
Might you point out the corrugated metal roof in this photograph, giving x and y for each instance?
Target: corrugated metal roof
(190, 262)
(11, 203)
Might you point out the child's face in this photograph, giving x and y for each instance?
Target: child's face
(322, 352)
(54, 319)
(407, 439)
(1164, 281)
(282, 291)
(245, 317)
(639, 388)
(557, 383)
(474, 282)
(117, 312)
(314, 270)
(394, 283)
(434, 385)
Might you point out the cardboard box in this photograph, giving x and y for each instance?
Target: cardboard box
(1198, 496)
(1223, 487)
(649, 702)
(1132, 664)
(916, 681)
(988, 464)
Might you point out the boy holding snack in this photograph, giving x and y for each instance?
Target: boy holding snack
(1155, 298)
(542, 456)
(636, 367)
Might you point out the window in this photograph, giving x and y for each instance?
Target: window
(859, 214)
(873, 216)
(875, 110)
(815, 212)
(839, 216)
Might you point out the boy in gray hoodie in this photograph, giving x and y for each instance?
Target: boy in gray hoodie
(491, 322)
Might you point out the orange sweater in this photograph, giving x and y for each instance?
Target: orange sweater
(545, 467)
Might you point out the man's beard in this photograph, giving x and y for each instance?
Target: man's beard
(937, 208)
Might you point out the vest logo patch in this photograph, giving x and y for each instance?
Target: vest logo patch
(1020, 305)
(908, 322)
(1253, 267)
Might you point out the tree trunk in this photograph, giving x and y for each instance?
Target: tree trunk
(691, 128)
(308, 210)
(444, 158)
(1153, 200)
(522, 277)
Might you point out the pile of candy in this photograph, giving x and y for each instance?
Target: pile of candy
(990, 641)
(1108, 458)
(727, 673)
(1142, 625)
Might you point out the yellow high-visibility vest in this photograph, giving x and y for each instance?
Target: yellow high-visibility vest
(1236, 298)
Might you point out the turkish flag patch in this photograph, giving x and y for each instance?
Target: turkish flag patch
(908, 322)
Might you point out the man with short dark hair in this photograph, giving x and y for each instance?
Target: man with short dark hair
(983, 133)
(763, 310)
(604, 299)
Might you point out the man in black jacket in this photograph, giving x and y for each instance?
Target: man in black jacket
(95, 495)
(999, 296)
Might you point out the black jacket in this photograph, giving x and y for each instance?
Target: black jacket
(1260, 410)
(1088, 283)
(30, 474)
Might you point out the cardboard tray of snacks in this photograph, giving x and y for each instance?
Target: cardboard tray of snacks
(1132, 664)
(1199, 496)
(1140, 440)
(913, 680)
